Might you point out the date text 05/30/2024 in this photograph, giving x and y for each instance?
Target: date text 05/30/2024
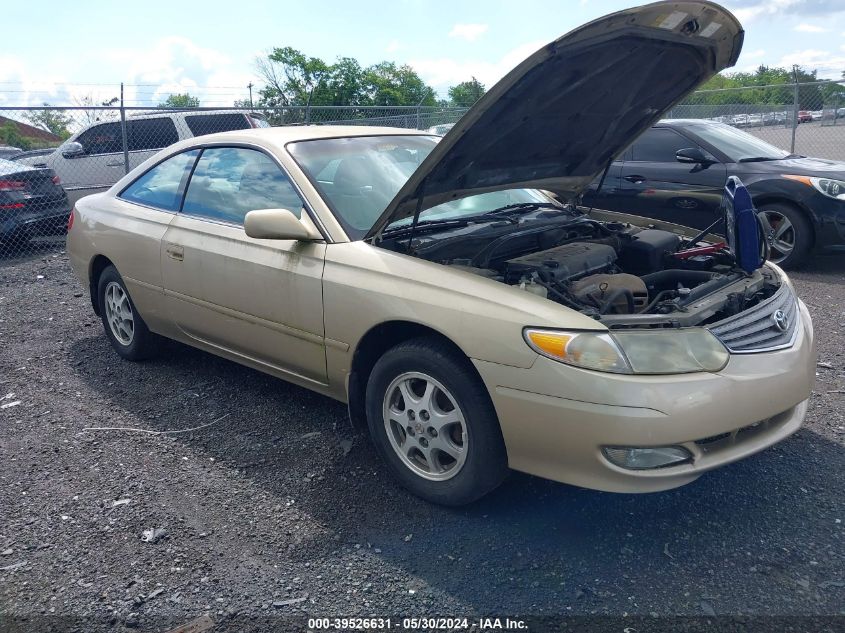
(416, 624)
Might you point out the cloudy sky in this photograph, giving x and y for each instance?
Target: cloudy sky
(208, 48)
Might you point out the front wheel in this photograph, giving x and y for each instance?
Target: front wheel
(432, 420)
(788, 233)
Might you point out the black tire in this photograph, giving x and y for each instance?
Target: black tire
(801, 233)
(142, 344)
(485, 463)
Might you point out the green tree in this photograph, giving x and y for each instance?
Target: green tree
(387, 84)
(9, 135)
(294, 79)
(54, 121)
(180, 101)
(779, 90)
(466, 93)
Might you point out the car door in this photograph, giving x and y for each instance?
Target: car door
(146, 137)
(654, 184)
(142, 213)
(98, 167)
(257, 299)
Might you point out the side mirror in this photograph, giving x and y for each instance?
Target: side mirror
(692, 155)
(73, 150)
(278, 224)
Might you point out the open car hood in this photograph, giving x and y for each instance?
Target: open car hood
(557, 119)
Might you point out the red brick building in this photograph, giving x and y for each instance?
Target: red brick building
(31, 132)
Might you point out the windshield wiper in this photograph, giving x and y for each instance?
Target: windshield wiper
(487, 216)
(522, 206)
(758, 159)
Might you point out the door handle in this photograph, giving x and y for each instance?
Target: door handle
(120, 164)
(635, 178)
(174, 251)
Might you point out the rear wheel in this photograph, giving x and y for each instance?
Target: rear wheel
(788, 233)
(433, 422)
(124, 327)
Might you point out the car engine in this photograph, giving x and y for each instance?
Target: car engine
(620, 274)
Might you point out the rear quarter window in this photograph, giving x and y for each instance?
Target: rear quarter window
(151, 134)
(162, 186)
(200, 124)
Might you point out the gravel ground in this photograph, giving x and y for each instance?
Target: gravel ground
(280, 510)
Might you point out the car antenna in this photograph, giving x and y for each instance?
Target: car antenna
(601, 182)
(420, 193)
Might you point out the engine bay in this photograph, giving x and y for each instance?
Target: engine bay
(618, 273)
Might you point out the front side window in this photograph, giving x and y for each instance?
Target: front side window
(659, 145)
(149, 134)
(739, 146)
(105, 138)
(229, 182)
(161, 187)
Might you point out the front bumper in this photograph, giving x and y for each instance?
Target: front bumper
(555, 418)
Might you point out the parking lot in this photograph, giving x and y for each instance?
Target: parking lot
(811, 139)
(278, 509)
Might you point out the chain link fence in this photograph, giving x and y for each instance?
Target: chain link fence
(804, 118)
(42, 174)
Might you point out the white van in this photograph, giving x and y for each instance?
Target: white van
(92, 160)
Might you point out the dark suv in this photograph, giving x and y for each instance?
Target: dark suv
(676, 172)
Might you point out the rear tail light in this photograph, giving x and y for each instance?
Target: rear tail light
(56, 180)
(70, 219)
(14, 205)
(12, 185)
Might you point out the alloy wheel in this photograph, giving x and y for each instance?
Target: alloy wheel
(779, 233)
(425, 426)
(119, 313)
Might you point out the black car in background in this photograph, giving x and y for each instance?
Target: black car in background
(676, 172)
(32, 204)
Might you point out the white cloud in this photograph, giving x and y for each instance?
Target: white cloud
(443, 72)
(829, 65)
(173, 65)
(766, 7)
(810, 28)
(393, 46)
(754, 54)
(468, 32)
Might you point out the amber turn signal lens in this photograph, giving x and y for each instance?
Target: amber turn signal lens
(552, 343)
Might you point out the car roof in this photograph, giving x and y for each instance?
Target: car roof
(683, 122)
(279, 136)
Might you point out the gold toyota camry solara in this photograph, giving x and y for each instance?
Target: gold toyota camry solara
(473, 321)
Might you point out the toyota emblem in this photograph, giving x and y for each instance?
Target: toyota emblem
(781, 320)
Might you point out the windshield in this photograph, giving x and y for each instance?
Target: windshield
(358, 177)
(736, 144)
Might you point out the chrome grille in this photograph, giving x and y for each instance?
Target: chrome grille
(756, 330)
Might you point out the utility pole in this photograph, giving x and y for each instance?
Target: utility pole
(249, 85)
(123, 131)
(795, 105)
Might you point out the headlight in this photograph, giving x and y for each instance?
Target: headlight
(828, 186)
(673, 351)
(680, 351)
(590, 350)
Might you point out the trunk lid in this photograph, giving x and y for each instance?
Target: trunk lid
(557, 119)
